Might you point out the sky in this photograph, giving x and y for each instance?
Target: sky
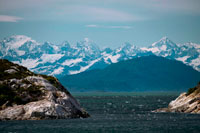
(109, 23)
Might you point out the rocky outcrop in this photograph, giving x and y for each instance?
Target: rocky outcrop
(186, 103)
(28, 96)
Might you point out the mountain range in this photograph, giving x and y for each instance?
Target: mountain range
(65, 59)
(147, 73)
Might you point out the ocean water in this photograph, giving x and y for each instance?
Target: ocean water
(115, 112)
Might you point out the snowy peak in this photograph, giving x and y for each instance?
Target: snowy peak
(18, 38)
(127, 46)
(17, 45)
(164, 41)
(15, 41)
(87, 48)
(65, 44)
(64, 47)
(48, 48)
(87, 44)
(128, 49)
(164, 46)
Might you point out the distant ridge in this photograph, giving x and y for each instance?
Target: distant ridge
(147, 73)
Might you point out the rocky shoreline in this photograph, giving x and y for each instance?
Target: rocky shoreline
(186, 103)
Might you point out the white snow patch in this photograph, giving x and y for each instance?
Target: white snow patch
(20, 40)
(56, 48)
(72, 62)
(196, 62)
(154, 44)
(105, 54)
(29, 63)
(164, 47)
(118, 50)
(20, 52)
(84, 68)
(165, 55)
(145, 49)
(154, 50)
(51, 57)
(106, 57)
(106, 61)
(114, 58)
(183, 59)
(197, 46)
(57, 71)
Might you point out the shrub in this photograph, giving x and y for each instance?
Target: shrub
(52, 80)
(6, 94)
(191, 90)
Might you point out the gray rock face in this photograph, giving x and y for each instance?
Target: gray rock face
(35, 97)
(186, 103)
(48, 108)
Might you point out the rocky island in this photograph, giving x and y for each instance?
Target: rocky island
(187, 102)
(25, 95)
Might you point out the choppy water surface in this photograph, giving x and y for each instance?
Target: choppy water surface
(115, 112)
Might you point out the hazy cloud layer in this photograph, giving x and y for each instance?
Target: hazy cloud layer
(6, 18)
(111, 27)
(97, 10)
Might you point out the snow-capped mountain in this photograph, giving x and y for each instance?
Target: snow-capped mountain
(188, 53)
(48, 58)
(62, 59)
(16, 46)
(163, 47)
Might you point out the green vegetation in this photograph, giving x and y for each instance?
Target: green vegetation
(12, 92)
(55, 83)
(191, 90)
(19, 90)
(52, 80)
(21, 72)
(19, 95)
(6, 94)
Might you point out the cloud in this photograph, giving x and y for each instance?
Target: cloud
(103, 14)
(91, 13)
(6, 18)
(120, 27)
(108, 27)
(92, 26)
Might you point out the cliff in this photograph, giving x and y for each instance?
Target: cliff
(25, 95)
(188, 102)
